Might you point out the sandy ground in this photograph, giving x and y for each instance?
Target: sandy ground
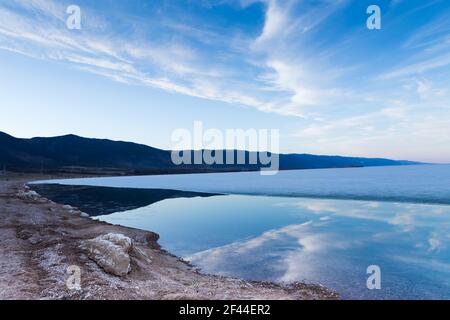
(39, 239)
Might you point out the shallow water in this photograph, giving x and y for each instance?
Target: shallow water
(325, 241)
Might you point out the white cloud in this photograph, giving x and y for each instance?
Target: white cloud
(419, 68)
(280, 70)
(276, 21)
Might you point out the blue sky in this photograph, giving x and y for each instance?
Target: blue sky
(137, 70)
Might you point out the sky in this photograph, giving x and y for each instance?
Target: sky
(138, 70)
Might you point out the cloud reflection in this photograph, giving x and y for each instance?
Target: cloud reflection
(337, 241)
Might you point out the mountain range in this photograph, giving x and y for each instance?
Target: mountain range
(71, 153)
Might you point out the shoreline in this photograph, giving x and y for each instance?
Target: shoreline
(40, 239)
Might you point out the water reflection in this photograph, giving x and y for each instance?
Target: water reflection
(337, 242)
(97, 201)
(288, 239)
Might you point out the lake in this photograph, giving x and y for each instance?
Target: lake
(321, 226)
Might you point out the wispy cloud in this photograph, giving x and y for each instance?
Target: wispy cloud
(419, 68)
(356, 88)
(268, 85)
(165, 65)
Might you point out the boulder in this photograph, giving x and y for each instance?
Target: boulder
(28, 195)
(111, 252)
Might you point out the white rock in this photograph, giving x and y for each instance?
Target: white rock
(33, 194)
(111, 252)
(84, 215)
(29, 195)
(119, 239)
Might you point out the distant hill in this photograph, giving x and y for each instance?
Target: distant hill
(71, 153)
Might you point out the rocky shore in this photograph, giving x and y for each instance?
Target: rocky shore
(45, 244)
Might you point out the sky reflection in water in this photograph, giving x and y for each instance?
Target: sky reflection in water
(331, 242)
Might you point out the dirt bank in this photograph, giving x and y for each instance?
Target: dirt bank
(40, 239)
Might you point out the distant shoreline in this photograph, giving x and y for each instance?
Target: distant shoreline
(72, 154)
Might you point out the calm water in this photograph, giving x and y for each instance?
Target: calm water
(284, 239)
(424, 184)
